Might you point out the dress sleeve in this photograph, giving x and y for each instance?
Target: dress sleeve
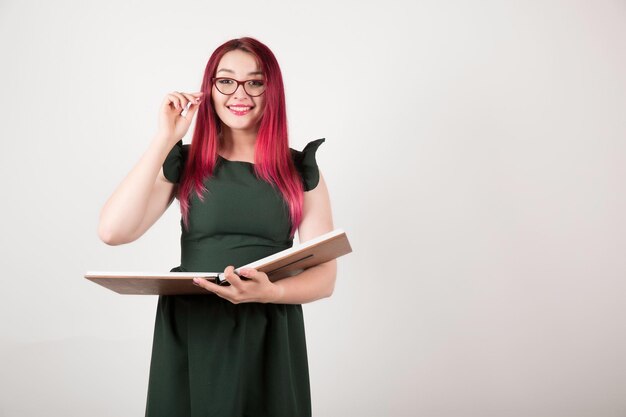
(174, 162)
(307, 165)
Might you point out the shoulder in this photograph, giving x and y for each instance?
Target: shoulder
(175, 161)
(306, 164)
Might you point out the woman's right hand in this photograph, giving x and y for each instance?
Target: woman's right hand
(171, 123)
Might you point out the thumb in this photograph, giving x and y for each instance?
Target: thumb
(248, 273)
(192, 111)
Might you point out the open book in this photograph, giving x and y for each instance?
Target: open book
(279, 265)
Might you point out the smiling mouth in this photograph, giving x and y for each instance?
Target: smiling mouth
(240, 110)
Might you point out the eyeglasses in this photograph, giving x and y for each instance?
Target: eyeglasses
(228, 86)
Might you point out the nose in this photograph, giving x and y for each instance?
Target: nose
(240, 92)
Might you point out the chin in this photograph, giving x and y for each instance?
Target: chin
(240, 123)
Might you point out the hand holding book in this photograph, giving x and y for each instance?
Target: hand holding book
(252, 286)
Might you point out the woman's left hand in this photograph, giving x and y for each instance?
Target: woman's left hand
(256, 289)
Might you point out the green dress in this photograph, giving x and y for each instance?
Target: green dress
(214, 358)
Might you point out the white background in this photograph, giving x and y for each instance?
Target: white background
(475, 154)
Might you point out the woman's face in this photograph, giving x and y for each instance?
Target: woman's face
(238, 111)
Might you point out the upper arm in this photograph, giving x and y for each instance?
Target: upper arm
(317, 216)
(162, 195)
(317, 219)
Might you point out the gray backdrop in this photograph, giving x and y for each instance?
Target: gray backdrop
(475, 155)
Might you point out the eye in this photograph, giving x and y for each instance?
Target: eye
(225, 81)
(256, 83)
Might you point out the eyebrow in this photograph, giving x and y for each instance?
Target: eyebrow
(232, 72)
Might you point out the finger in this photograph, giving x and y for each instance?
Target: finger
(250, 273)
(227, 293)
(179, 100)
(193, 98)
(208, 285)
(191, 107)
(185, 111)
(232, 278)
(182, 101)
(174, 101)
(192, 111)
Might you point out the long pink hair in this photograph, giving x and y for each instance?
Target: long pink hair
(272, 156)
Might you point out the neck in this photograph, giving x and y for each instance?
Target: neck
(238, 144)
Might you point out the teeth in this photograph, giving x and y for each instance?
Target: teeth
(240, 108)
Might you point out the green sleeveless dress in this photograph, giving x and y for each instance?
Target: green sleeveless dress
(214, 358)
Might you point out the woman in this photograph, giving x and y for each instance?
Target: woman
(239, 350)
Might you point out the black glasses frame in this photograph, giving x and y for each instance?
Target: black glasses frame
(215, 79)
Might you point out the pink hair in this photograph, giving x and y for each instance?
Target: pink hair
(272, 156)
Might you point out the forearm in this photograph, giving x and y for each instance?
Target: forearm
(312, 284)
(125, 209)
